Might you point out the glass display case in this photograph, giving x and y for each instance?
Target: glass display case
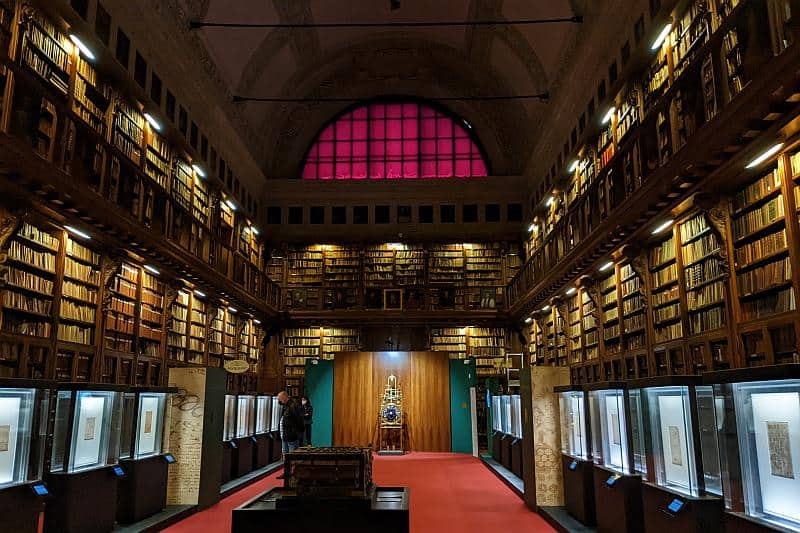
(572, 410)
(245, 416)
(263, 414)
(505, 401)
(143, 418)
(23, 430)
(759, 437)
(87, 429)
(275, 415)
(497, 414)
(229, 420)
(516, 416)
(611, 445)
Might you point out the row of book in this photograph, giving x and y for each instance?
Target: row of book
(693, 227)
(119, 323)
(709, 294)
(710, 319)
(769, 275)
(30, 304)
(702, 247)
(665, 275)
(668, 332)
(667, 312)
(41, 260)
(704, 271)
(80, 271)
(76, 311)
(753, 221)
(26, 280)
(763, 247)
(75, 334)
(757, 190)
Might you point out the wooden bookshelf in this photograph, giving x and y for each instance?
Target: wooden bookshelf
(574, 326)
(450, 340)
(79, 294)
(92, 97)
(128, 132)
(151, 317)
(215, 336)
(379, 266)
(121, 315)
(339, 340)
(177, 333)
(488, 347)
(198, 319)
(158, 159)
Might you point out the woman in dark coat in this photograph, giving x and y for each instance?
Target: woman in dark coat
(308, 413)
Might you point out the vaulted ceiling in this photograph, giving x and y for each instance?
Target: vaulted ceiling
(369, 62)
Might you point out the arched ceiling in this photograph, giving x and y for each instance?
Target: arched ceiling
(370, 62)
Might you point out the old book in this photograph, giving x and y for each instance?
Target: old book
(5, 434)
(88, 431)
(780, 450)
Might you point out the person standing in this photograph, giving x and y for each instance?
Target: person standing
(291, 423)
(308, 414)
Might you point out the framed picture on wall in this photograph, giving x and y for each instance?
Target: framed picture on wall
(392, 298)
(374, 299)
(447, 298)
(412, 299)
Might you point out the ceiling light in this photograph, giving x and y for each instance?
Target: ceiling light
(232, 309)
(606, 266)
(231, 204)
(254, 230)
(661, 37)
(82, 47)
(574, 166)
(152, 121)
(78, 232)
(571, 291)
(545, 308)
(532, 228)
(199, 170)
(609, 114)
(256, 321)
(764, 156)
(550, 200)
(663, 226)
(529, 320)
(199, 293)
(152, 269)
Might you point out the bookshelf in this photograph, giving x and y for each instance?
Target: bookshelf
(537, 349)
(409, 266)
(197, 330)
(201, 209)
(158, 159)
(589, 325)
(342, 274)
(306, 266)
(488, 347)
(79, 294)
(379, 266)
(609, 308)
(230, 339)
(573, 306)
(128, 132)
(484, 272)
(91, 97)
(215, 336)
(178, 328)
(121, 316)
(665, 299)
(339, 340)
(450, 340)
(297, 346)
(151, 317)
(181, 187)
(46, 50)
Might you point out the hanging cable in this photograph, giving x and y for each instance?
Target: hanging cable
(343, 99)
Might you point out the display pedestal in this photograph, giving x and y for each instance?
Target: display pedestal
(275, 449)
(579, 488)
(497, 452)
(20, 509)
(741, 523)
(391, 439)
(261, 447)
(618, 507)
(516, 457)
(697, 514)
(82, 502)
(243, 457)
(505, 451)
(228, 452)
(143, 491)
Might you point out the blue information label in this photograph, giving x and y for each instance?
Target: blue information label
(573, 465)
(676, 505)
(40, 489)
(169, 458)
(611, 481)
(118, 471)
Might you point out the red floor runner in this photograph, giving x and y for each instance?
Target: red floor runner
(449, 492)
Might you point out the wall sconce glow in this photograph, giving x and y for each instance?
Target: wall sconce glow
(152, 121)
(199, 170)
(661, 37)
(571, 291)
(152, 269)
(78, 233)
(574, 165)
(550, 201)
(254, 230)
(82, 47)
(546, 308)
(765, 155)
(257, 322)
(529, 320)
(200, 293)
(606, 266)
(532, 228)
(233, 309)
(231, 204)
(609, 114)
(663, 227)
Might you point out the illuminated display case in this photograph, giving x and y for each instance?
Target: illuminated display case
(229, 422)
(497, 414)
(24, 410)
(263, 413)
(274, 430)
(516, 416)
(84, 469)
(515, 432)
(576, 458)
(668, 423)
(506, 404)
(261, 441)
(758, 422)
(245, 431)
(617, 486)
(143, 453)
(229, 444)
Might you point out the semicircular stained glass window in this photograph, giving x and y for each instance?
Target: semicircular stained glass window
(390, 140)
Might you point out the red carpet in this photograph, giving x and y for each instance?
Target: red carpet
(449, 492)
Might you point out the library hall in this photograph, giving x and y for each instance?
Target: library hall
(399, 266)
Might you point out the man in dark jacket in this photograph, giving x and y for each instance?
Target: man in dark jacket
(291, 423)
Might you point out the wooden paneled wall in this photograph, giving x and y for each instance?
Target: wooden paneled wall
(424, 378)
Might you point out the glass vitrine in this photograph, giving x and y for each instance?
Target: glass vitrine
(263, 413)
(87, 428)
(245, 416)
(275, 415)
(505, 402)
(611, 447)
(229, 420)
(572, 410)
(497, 414)
(516, 416)
(24, 408)
(760, 442)
(143, 419)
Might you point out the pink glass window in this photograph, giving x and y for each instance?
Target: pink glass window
(394, 140)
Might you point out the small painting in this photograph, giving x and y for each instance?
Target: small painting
(392, 299)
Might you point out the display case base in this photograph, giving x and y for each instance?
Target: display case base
(20, 509)
(243, 457)
(741, 523)
(81, 502)
(579, 488)
(505, 453)
(695, 516)
(261, 447)
(275, 453)
(497, 451)
(143, 491)
(227, 462)
(618, 507)
(516, 457)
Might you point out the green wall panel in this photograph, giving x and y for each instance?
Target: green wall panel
(462, 377)
(319, 388)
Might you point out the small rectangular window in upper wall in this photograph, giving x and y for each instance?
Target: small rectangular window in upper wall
(123, 50)
(183, 121)
(81, 7)
(469, 213)
(140, 70)
(170, 106)
(403, 214)
(102, 24)
(426, 214)
(638, 30)
(382, 214)
(273, 214)
(193, 136)
(601, 90)
(204, 147)
(339, 214)
(514, 212)
(155, 88)
(492, 212)
(612, 72)
(447, 214)
(361, 214)
(295, 215)
(316, 214)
